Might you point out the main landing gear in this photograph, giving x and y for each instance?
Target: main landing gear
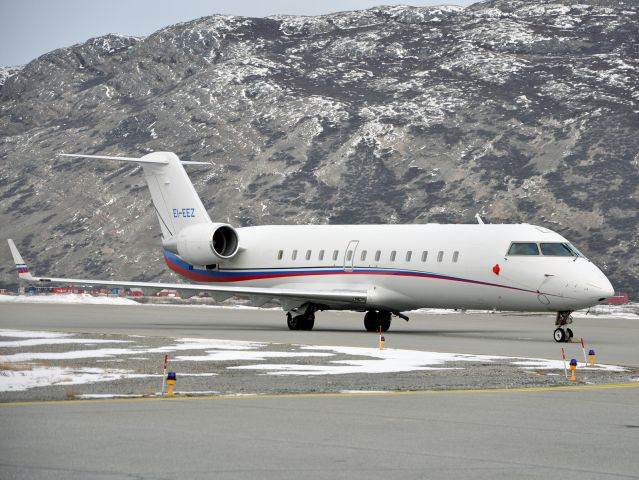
(562, 333)
(373, 320)
(303, 321)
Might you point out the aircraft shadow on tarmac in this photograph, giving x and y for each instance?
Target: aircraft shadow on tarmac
(352, 331)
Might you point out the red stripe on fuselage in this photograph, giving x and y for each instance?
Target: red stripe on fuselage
(206, 279)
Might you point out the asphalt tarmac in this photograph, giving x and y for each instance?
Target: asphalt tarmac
(616, 341)
(583, 432)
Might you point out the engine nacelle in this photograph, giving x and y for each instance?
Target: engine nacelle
(207, 243)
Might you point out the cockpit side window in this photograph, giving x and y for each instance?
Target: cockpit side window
(556, 250)
(523, 248)
(575, 251)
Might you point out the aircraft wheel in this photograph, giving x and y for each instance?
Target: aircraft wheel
(569, 332)
(371, 321)
(308, 321)
(294, 323)
(560, 335)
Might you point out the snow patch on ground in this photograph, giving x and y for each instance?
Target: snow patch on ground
(35, 342)
(32, 334)
(19, 375)
(102, 396)
(20, 380)
(395, 361)
(70, 298)
(382, 361)
(205, 344)
(227, 356)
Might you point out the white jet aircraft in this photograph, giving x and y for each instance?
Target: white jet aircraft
(382, 270)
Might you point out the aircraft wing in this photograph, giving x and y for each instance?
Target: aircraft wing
(287, 297)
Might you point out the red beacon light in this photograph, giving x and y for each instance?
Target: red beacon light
(496, 269)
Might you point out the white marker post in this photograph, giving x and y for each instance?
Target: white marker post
(166, 364)
(563, 355)
(583, 349)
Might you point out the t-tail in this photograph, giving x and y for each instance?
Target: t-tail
(176, 202)
(187, 229)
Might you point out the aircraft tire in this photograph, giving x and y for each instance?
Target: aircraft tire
(569, 332)
(307, 322)
(559, 335)
(292, 322)
(371, 321)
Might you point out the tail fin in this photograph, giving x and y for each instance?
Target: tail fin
(23, 270)
(176, 202)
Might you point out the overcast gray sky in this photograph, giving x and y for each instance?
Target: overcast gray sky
(30, 28)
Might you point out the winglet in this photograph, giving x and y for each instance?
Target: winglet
(24, 272)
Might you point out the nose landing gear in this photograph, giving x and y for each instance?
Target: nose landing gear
(563, 333)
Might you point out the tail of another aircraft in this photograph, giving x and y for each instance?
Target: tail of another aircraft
(176, 202)
(24, 272)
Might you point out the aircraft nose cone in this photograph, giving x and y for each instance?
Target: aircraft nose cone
(601, 291)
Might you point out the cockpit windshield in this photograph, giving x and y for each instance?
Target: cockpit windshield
(556, 250)
(523, 248)
(547, 249)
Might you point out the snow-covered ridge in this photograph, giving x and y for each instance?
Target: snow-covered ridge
(7, 72)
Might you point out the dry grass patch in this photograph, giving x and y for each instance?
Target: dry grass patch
(15, 367)
(71, 393)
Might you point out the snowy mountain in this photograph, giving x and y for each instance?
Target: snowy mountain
(523, 111)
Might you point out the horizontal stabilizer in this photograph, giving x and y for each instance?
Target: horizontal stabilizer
(175, 200)
(159, 161)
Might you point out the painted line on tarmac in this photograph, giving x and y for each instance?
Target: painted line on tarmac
(567, 388)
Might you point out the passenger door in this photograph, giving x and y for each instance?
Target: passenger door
(349, 255)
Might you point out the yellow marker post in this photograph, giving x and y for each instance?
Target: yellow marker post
(573, 367)
(591, 356)
(170, 379)
(382, 341)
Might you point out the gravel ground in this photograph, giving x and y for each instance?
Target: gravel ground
(217, 376)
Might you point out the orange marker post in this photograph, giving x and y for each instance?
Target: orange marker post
(583, 349)
(563, 355)
(171, 378)
(573, 367)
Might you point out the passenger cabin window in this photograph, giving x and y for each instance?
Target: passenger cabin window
(440, 256)
(523, 248)
(424, 255)
(321, 255)
(294, 254)
(308, 254)
(455, 256)
(408, 255)
(378, 255)
(349, 255)
(280, 254)
(556, 250)
(393, 255)
(363, 255)
(335, 254)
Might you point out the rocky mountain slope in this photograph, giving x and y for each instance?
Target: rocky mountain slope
(523, 111)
